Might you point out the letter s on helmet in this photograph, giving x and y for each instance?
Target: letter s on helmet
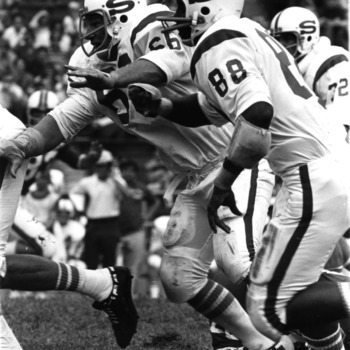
(117, 19)
(302, 24)
(194, 17)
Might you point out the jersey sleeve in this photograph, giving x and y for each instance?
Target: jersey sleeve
(79, 109)
(71, 116)
(234, 81)
(165, 50)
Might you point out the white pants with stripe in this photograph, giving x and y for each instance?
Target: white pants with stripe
(189, 244)
(299, 240)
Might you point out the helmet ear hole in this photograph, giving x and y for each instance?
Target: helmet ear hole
(123, 18)
(205, 10)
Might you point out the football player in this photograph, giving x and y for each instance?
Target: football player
(248, 78)
(325, 67)
(98, 71)
(27, 233)
(109, 287)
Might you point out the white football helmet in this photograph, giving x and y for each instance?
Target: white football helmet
(194, 17)
(296, 28)
(117, 18)
(39, 103)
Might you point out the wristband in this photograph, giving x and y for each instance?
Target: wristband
(227, 175)
(231, 167)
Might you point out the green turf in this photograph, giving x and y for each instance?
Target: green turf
(66, 321)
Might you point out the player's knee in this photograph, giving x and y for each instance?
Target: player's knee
(181, 278)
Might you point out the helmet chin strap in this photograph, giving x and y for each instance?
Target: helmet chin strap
(109, 53)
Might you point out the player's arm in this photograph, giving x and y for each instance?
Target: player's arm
(185, 110)
(250, 143)
(32, 142)
(140, 71)
(40, 139)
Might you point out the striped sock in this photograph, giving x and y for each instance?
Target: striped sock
(68, 277)
(332, 342)
(97, 284)
(212, 300)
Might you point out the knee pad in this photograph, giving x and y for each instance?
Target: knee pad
(182, 277)
(231, 253)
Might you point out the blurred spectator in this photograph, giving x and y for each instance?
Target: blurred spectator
(334, 21)
(6, 58)
(41, 200)
(136, 215)
(159, 178)
(103, 193)
(16, 34)
(40, 27)
(68, 231)
(70, 24)
(40, 66)
(12, 96)
(4, 20)
(56, 37)
(22, 77)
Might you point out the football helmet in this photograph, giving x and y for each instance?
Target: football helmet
(116, 19)
(39, 103)
(297, 29)
(194, 17)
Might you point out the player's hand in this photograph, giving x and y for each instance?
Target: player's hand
(13, 154)
(218, 198)
(89, 77)
(146, 99)
(90, 158)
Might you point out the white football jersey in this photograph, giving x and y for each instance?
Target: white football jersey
(236, 64)
(10, 126)
(326, 70)
(182, 149)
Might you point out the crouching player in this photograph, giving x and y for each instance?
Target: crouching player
(109, 287)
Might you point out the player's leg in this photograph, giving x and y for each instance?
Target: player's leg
(109, 287)
(296, 246)
(235, 252)
(330, 285)
(187, 257)
(10, 190)
(31, 236)
(25, 272)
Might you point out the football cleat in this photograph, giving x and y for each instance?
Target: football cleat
(119, 306)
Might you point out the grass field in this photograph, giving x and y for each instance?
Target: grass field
(66, 321)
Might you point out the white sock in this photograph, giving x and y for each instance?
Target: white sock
(96, 283)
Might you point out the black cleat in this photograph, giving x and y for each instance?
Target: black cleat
(119, 306)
